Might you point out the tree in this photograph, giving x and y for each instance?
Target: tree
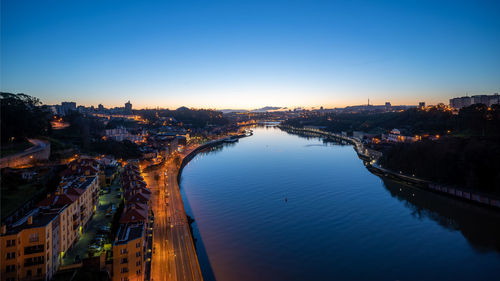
(22, 117)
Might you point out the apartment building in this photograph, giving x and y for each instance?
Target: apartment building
(488, 100)
(87, 191)
(129, 252)
(69, 219)
(30, 246)
(86, 167)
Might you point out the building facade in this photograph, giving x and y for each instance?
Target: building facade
(487, 100)
(28, 251)
(130, 249)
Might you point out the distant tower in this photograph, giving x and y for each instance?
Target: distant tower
(421, 105)
(387, 106)
(128, 107)
(368, 101)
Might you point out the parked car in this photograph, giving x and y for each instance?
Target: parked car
(105, 228)
(98, 241)
(101, 236)
(94, 248)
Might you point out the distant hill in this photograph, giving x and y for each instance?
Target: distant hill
(263, 109)
(266, 109)
(225, 111)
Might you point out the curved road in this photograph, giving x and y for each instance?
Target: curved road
(174, 256)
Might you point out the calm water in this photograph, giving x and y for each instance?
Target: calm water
(340, 222)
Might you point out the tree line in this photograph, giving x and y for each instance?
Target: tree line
(469, 162)
(475, 120)
(467, 154)
(22, 117)
(194, 118)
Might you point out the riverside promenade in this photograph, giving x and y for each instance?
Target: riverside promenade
(174, 255)
(358, 145)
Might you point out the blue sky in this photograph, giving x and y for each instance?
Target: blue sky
(248, 54)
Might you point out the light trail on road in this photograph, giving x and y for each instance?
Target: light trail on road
(174, 256)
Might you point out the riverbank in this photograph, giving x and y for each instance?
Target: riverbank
(207, 270)
(369, 158)
(246, 230)
(186, 159)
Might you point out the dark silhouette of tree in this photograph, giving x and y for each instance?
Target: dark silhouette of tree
(22, 117)
(470, 162)
(194, 118)
(124, 149)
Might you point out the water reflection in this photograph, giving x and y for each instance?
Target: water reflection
(340, 220)
(479, 225)
(316, 136)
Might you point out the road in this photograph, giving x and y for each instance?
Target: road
(174, 256)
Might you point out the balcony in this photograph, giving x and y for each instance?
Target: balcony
(33, 249)
(33, 263)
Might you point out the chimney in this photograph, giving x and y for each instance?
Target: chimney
(4, 229)
(59, 191)
(30, 220)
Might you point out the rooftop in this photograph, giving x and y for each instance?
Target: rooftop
(129, 232)
(40, 218)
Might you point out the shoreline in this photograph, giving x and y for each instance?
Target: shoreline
(458, 193)
(186, 159)
(191, 219)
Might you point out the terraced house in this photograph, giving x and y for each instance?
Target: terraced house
(130, 248)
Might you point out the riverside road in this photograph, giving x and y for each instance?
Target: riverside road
(174, 255)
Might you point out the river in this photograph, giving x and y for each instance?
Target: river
(277, 206)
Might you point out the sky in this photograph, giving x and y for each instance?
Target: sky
(249, 54)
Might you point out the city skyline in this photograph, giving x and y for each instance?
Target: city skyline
(249, 55)
(222, 140)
